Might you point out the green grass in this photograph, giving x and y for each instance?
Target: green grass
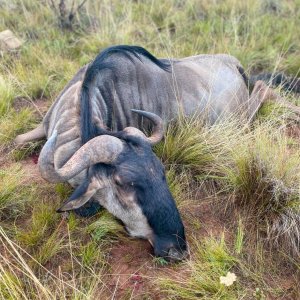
(13, 124)
(191, 145)
(14, 196)
(267, 192)
(7, 95)
(105, 226)
(42, 220)
(248, 175)
(29, 149)
(51, 247)
(239, 239)
(211, 259)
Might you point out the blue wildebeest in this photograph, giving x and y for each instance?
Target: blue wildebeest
(95, 142)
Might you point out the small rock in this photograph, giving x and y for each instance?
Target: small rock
(8, 41)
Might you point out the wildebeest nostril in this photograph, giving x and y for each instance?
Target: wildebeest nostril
(177, 255)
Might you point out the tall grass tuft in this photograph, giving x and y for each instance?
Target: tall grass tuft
(192, 145)
(41, 224)
(13, 124)
(262, 175)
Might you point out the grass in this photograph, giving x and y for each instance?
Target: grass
(7, 95)
(19, 280)
(13, 124)
(211, 260)
(27, 150)
(13, 195)
(41, 223)
(268, 192)
(239, 239)
(105, 226)
(242, 181)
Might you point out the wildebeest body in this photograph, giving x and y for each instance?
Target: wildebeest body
(207, 84)
(191, 85)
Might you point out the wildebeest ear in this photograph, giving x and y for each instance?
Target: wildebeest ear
(81, 195)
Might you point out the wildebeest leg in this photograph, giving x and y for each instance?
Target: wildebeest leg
(261, 93)
(258, 96)
(272, 95)
(35, 134)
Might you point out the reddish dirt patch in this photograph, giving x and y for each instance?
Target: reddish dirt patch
(132, 269)
(31, 170)
(203, 212)
(293, 131)
(40, 106)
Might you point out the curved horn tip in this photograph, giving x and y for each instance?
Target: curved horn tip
(46, 160)
(158, 132)
(149, 115)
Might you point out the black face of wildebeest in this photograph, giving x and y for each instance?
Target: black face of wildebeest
(139, 177)
(127, 178)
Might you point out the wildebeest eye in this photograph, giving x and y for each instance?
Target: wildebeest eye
(123, 183)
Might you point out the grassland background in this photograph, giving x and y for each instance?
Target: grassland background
(237, 188)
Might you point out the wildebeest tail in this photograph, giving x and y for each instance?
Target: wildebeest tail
(277, 79)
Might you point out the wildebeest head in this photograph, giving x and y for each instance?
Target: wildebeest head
(127, 178)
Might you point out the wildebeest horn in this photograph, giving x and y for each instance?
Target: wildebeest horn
(158, 129)
(101, 149)
(46, 160)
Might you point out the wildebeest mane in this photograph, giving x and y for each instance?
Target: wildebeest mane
(88, 128)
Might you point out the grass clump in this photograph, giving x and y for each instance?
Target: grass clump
(178, 184)
(262, 175)
(13, 196)
(63, 190)
(30, 149)
(239, 238)
(105, 228)
(51, 247)
(193, 146)
(91, 254)
(41, 224)
(7, 94)
(211, 260)
(15, 123)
